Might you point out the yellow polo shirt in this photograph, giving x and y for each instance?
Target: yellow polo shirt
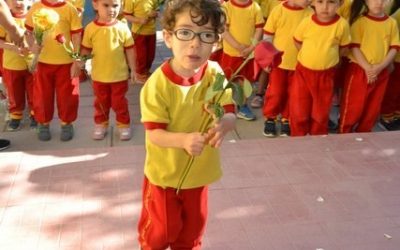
(12, 60)
(242, 21)
(281, 24)
(52, 52)
(141, 8)
(170, 102)
(374, 36)
(321, 41)
(108, 43)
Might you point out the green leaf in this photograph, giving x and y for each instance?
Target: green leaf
(219, 111)
(219, 82)
(247, 88)
(237, 94)
(210, 93)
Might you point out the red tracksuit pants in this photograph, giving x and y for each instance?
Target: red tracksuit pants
(391, 99)
(19, 84)
(54, 82)
(277, 95)
(172, 220)
(361, 102)
(145, 46)
(310, 101)
(111, 95)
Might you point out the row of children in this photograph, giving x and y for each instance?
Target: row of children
(55, 78)
(322, 52)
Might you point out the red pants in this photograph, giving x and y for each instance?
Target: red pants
(361, 102)
(111, 95)
(1, 61)
(19, 84)
(277, 94)
(391, 100)
(230, 64)
(54, 81)
(145, 46)
(310, 101)
(172, 220)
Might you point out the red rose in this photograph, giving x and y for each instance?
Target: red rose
(60, 38)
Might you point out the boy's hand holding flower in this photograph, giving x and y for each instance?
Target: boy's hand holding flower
(194, 143)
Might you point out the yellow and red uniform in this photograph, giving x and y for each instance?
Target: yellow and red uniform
(144, 35)
(361, 102)
(242, 22)
(17, 78)
(53, 73)
(110, 72)
(171, 102)
(391, 101)
(313, 84)
(281, 24)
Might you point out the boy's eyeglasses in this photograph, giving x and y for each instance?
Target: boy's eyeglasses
(188, 35)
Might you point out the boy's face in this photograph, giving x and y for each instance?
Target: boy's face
(107, 10)
(191, 44)
(326, 9)
(19, 7)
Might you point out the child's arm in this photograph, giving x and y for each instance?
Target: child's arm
(377, 68)
(232, 41)
(140, 20)
(10, 46)
(76, 43)
(257, 37)
(216, 134)
(362, 61)
(192, 143)
(33, 46)
(130, 55)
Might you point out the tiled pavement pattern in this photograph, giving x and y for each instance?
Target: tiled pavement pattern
(336, 192)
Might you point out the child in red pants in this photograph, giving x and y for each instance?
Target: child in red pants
(172, 109)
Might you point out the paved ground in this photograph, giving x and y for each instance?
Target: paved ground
(326, 192)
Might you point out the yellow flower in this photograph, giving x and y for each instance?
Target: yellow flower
(44, 20)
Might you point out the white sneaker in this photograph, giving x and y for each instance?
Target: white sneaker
(99, 132)
(125, 134)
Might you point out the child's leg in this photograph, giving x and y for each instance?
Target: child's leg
(119, 103)
(145, 53)
(353, 98)
(151, 51)
(162, 224)
(322, 92)
(300, 102)
(15, 85)
(373, 103)
(102, 102)
(276, 93)
(29, 83)
(67, 92)
(43, 91)
(392, 94)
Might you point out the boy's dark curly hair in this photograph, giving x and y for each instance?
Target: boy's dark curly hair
(201, 12)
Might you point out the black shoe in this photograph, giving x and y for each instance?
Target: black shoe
(285, 129)
(332, 126)
(67, 132)
(44, 132)
(388, 125)
(4, 144)
(269, 128)
(14, 124)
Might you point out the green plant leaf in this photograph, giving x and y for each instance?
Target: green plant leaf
(219, 82)
(218, 111)
(247, 88)
(237, 94)
(210, 93)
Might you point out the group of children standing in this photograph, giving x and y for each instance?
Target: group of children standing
(330, 47)
(119, 53)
